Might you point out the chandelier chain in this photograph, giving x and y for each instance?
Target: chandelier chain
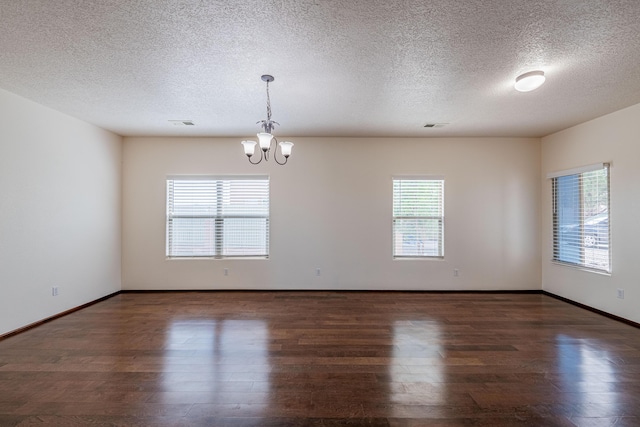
(268, 104)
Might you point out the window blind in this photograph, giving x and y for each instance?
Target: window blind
(581, 233)
(418, 217)
(217, 217)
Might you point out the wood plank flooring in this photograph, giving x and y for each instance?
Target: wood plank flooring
(323, 359)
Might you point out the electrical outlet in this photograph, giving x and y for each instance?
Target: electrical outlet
(226, 271)
(317, 271)
(54, 291)
(621, 293)
(456, 272)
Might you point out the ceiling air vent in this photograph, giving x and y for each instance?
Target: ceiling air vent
(435, 125)
(182, 122)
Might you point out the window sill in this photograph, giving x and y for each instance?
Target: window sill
(581, 268)
(211, 258)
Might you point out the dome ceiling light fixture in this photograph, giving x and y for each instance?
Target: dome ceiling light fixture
(265, 138)
(529, 81)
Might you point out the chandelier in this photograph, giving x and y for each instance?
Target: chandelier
(265, 138)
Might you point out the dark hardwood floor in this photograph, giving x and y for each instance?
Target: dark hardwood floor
(323, 359)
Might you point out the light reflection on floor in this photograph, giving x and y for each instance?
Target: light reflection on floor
(417, 365)
(586, 371)
(211, 361)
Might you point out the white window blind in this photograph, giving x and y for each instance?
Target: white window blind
(581, 218)
(217, 217)
(418, 217)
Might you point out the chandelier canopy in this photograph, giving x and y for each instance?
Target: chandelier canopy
(266, 139)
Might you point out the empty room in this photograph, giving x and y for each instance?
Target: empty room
(320, 213)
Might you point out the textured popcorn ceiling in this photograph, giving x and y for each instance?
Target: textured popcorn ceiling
(342, 68)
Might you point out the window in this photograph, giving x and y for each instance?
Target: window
(418, 217)
(581, 217)
(217, 217)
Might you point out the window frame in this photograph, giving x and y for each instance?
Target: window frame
(439, 218)
(557, 224)
(218, 218)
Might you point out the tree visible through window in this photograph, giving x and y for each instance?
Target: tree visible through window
(581, 218)
(218, 217)
(418, 217)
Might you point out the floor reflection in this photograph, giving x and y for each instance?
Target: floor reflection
(587, 370)
(417, 365)
(215, 360)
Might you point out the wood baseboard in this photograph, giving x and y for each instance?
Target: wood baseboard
(592, 309)
(56, 316)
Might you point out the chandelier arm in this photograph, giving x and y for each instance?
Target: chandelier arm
(255, 163)
(275, 154)
(280, 163)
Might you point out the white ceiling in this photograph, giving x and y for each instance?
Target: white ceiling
(342, 68)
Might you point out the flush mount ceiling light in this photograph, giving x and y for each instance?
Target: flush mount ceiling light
(182, 122)
(265, 138)
(529, 81)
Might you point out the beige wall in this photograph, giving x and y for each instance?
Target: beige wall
(60, 212)
(331, 209)
(612, 138)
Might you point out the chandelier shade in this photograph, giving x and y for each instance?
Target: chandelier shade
(265, 140)
(285, 147)
(249, 147)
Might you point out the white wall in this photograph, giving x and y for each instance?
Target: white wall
(611, 138)
(331, 209)
(62, 216)
(60, 210)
